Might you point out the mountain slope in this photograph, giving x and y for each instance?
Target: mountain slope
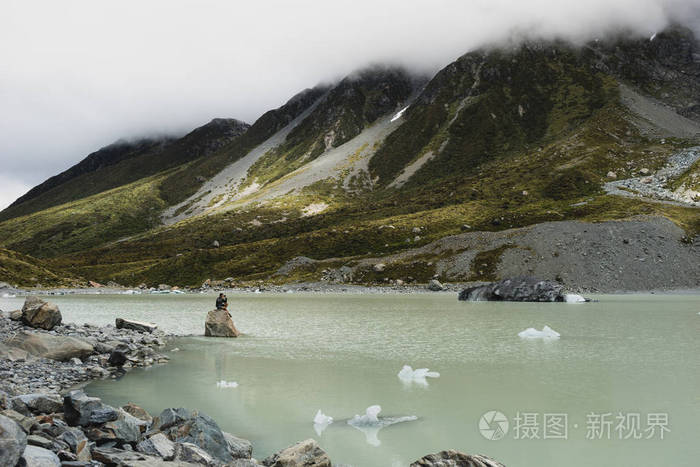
(380, 165)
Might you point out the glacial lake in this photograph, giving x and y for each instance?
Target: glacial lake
(625, 371)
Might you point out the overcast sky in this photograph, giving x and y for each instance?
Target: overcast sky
(77, 75)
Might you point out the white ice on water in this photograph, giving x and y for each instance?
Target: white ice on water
(574, 298)
(7, 295)
(226, 384)
(399, 114)
(545, 333)
(370, 423)
(321, 422)
(418, 376)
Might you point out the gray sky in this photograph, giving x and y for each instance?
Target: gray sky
(76, 75)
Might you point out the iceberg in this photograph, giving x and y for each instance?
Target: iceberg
(545, 333)
(399, 114)
(226, 384)
(321, 422)
(574, 298)
(7, 295)
(409, 376)
(370, 423)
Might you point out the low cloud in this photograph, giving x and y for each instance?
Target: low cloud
(77, 75)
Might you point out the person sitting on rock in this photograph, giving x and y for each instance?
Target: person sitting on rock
(222, 302)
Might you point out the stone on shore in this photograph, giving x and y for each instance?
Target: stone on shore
(40, 314)
(157, 445)
(77, 443)
(305, 453)
(13, 441)
(518, 289)
(34, 456)
(220, 324)
(82, 410)
(139, 326)
(61, 348)
(435, 286)
(189, 426)
(13, 354)
(16, 315)
(28, 404)
(456, 459)
(137, 412)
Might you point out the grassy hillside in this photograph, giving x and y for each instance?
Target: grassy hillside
(25, 271)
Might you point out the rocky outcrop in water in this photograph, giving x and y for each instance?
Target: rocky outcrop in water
(453, 458)
(40, 314)
(518, 289)
(220, 324)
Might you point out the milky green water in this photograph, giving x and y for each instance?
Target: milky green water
(629, 354)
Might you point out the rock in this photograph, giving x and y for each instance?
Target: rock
(139, 326)
(16, 315)
(35, 456)
(118, 357)
(215, 244)
(188, 452)
(77, 442)
(415, 230)
(206, 284)
(379, 267)
(164, 287)
(303, 454)
(36, 440)
(126, 429)
(465, 227)
(137, 412)
(28, 404)
(119, 457)
(13, 441)
(42, 345)
(220, 324)
(435, 286)
(40, 314)
(612, 175)
(238, 447)
(453, 458)
(95, 284)
(399, 282)
(518, 289)
(82, 410)
(644, 171)
(185, 426)
(26, 423)
(13, 354)
(157, 445)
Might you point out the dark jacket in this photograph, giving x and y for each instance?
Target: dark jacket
(221, 303)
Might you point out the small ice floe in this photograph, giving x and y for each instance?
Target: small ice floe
(409, 376)
(574, 298)
(370, 423)
(176, 349)
(131, 292)
(545, 333)
(399, 114)
(8, 295)
(226, 384)
(321, 422)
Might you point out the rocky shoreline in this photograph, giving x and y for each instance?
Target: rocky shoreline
(47, 421)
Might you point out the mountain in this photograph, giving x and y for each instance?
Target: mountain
(489, 168)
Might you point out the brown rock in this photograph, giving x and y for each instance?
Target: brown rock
(220, 324)
(54, 347)
(305, 453)
(455, 459)
(40, 314)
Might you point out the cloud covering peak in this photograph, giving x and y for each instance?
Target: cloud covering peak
(79, 74)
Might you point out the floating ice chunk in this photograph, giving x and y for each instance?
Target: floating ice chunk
(409, 376)
(653, 36)
(7, 295)
(573, 298)
(370, 423)
(399, 114)
(226, 384)
(545, 333)
(321, 422)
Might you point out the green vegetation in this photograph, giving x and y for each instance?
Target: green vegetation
(25, 271)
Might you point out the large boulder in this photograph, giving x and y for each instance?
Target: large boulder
(35, 456)
(140, 326)
(518, 289)
(453, 458)
(435, 286)
(82, 410)
(77, 443)
(43, 345)
(28, 404)
(157, 445)
(220, 324)
(13, 441)
(305, 453)
(40, 314)
(13, 353)
(189, 426)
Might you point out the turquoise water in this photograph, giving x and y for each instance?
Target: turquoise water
(637, 355)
